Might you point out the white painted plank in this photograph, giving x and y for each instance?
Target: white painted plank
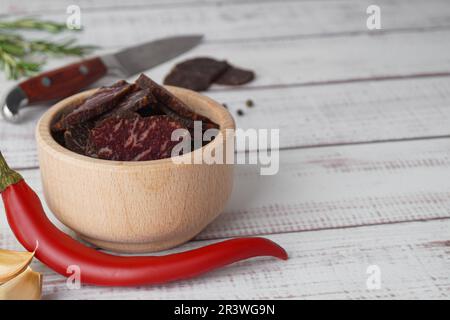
(307, 116)
(332, 187)
(331, 264)
(300, 61)
(306, 61)
(285, 60)
(42, 6)
(339, 187)
(318, 188)
(118, 23)
(345, 113)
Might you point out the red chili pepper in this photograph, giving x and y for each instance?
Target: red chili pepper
(58, 251)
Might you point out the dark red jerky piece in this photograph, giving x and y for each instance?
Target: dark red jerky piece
(101, 101)
(203, 65)
(133, 138)
(167, 99)
(76, 138)
(188, 123)
(195, 82)
(57, 124)
(59, 137)
(132, 102)
(235, 77)
(196, 74)
(153, 109)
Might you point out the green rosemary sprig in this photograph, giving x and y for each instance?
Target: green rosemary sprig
(15, 67)
(33, 24)
(17, 54)
(67, 47)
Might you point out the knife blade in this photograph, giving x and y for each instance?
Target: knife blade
(65, 81)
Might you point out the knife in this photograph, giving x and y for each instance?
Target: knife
(65, 81)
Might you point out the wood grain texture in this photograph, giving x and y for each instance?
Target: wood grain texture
(19, 7)
(340, 186)
(299, 62)
(63, 82)
(333, 187)
(331, 264)
(345, 113)
(304, 48)
(234, 20)
(135, 206)
(307, 116)
(288, 62)
(306, 61)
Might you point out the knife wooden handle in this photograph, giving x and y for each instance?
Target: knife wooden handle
(63, 82)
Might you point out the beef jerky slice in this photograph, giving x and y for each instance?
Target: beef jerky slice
(76, 137)
(196, 74)
(56, 124)
(235, 77)
(187, 80)
(153, 109)
(133, 138)
(59, 137)
(101, 101)
(132, 102)
(178, 109)
(188, 123)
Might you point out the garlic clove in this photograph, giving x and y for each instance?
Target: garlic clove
(25, 286)
(13, 263)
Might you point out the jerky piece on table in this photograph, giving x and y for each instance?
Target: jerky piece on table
(104, 99)
(133, 138)
(195, 82)
(196, 74)
(174, 107)
(235, 77)
(76, 137)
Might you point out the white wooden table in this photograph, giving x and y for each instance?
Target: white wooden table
(365, 137)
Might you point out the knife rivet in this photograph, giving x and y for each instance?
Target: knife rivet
(46, 82)
(83, 69)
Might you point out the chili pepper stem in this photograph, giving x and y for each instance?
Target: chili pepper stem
(7, 175)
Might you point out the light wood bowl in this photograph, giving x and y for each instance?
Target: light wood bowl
(139, 206)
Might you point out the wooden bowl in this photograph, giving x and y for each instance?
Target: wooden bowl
(139, 206)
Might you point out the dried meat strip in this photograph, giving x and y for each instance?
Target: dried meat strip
(178, 109)
(235, 77)
(199, 73)
(59, 137)
(133, 138)
(187, 80)
(134, 101)
(57, 123)
(153, 109)
(76, 138)
(188, 123)
(207, 66)
(101, 101)
(196, 74)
